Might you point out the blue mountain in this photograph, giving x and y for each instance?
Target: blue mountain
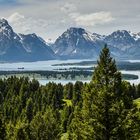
(74, 43)
(79, 43)
(19, 47)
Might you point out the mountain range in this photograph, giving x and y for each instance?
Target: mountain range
(75, 43)
(19, 47)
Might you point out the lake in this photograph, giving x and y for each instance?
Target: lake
(49, 65)
(39, 65)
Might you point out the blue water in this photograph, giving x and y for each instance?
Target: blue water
(47, 65)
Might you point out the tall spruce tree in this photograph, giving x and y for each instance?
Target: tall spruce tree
(104, 113)
(107, 92)
(29, 110)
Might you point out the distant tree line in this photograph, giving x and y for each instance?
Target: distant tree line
(62, 74)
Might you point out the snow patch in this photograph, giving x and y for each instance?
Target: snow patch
(92, 37)
(136, 36)
(77, 42)
(15, 37)
(75, 51)
(56, 51)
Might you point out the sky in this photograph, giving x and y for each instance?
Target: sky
(50, 18)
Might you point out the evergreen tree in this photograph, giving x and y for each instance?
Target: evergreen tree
(44, 126)
(100, 110)
(107, 86)
(66, 117)
(138, 91)
(77, 91)
(2, 130)
(104, 111)
(68, 91)
(29, 110)
(20, 131)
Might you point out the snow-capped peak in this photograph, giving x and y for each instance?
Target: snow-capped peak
(98, 36)
(6, 29)
(3, 21)
(49, 42)
(4, 25)
(136, 36)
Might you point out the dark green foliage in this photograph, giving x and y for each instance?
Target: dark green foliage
(44, 126)
(100, 110)
(107, 105)
(2, 130)
(77, 92)
(29, 110)
(138, 91)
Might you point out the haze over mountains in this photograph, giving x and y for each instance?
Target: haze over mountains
(75, 43)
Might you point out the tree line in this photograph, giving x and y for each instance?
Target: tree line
(100, 110)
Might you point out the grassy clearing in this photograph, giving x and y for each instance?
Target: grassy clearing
(137, 102)
(67, 102)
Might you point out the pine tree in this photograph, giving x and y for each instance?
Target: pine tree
(29, 109)
(20, 131)
(107, 86)
(77, 92)
(104, 113)
(2, 130)
(44, 126)
(138, 91)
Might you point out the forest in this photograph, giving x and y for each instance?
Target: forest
(104, 109)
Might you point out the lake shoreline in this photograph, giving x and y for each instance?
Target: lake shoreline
(37, 70)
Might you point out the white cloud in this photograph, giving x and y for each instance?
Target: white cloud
(26, 25)
(58, 15)
(15, 17)
(68, 8)
(85, 20)
(92, 19)
(74, 15)
(45, 27)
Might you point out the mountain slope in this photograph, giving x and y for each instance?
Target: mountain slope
(9, 43)
(120, 39)
(127, 42)
(14, 47)
(36, 47)
(77, 43)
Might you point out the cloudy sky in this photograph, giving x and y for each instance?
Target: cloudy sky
(50, 18)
